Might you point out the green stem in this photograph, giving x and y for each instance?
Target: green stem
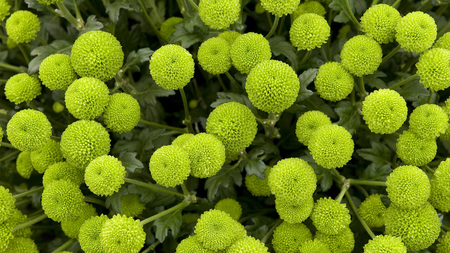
(180, 130)
(12, 68)
(443, 30)
(65, 13)
(366, 182)
(344, 189)
(187, 116)
(407, 80)
(361, 189)
(95, 201)
(17, 4)
(362, 88)
(429, 169)
(396, 3)
(151, 247)
(24, 53)
(152, 187)
(30, 222)
(234, 83)
(270, 232)
(185, 190)
(431, 97)
(392, 53)
(305, 58)
(6, 145)
(281, 24)
(77, 11)
(363, 223)
(274, 27)
(374, 2)
(446, 228)
(23, 194)
(65, 245)
(222, 84)
(150, 22)
(352, 16)
(180, 206)
(182, 8)
(9, 156)
(193, 4)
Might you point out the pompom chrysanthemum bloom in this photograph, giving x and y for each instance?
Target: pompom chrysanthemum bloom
(191, 245)
(372, 211)
(71, 227)
(22, 88)
(292, 180)
(216, 230)
(433, 69)
(379, 22)
(56, 72)
(443, 245)
(280, 8)
(168, 27)
(443, 41)
(170, 165)
(294, 212)
(21, 244)
(214, 56)
(29, 130)
(122, 113)
(309, 7)
(97, 54)
(1, 134)
(172, 67)
(308, 123)
(384, 111)
(63, 171)
(248, 244)
(248, 50)
(414, 150)
(440, 187)
(408, 187)
(219, 14)
(258, 186)
(130, 205)
(23, 164)
(314, 246)
(83, 141)
(4, 9)
(309, 31)
(89, 234)
(343, 242)
(229, 36)
(234, 125)
(230, 206)
(6, 204)
(272, 86)
(181, 139)
(87, 98)
(331, 146)
(361, 55)
(49, 154)
(22, 26)
(122, 234)
(288, 238)
(333, 82)
(104, 175)
(418, 228)
(385, 244)
(16, 219)
(416, 32)
(330, 217)
(428, 121)
(5, 235)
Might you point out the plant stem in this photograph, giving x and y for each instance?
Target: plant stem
(193, 4)
(362, 88)
(344, 189)
(361, 189)
(24, 53)
(152, 187)
(150, 22)
(446, 228)
(363, 223)
(185, 190)
(305, 58)
(366, 182)
(407, 80)
(180, 206)
(30, 222)
(352, 16)
(6, 145)
(281, 24)
(234, 83)
(396, 3)
(374, 2)
(274, 27)
(221, 83)
(431, 97)
(151, 247)
(12, 68)
(10, 155)
(187, 116)
(180, 130)
(23, 194)
(65, 245)
(65, 13)
(392, 53)
(269, 233)
(429, 169)
(95, 201)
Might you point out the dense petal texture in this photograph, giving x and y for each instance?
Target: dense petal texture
(104, 175)
(361, 55)
(170, 165)
(433, 69)
(122, 234)
(22, 88)
(380, 21)
(309, 31)
(122, 113)
(56, 72)
(248, 50)
(219, 14)
(416, 32)
(22, 26)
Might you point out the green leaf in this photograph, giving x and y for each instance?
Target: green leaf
(225, 178)
(375, 172)
(280, 46)
(190, 31)
(349, 116)
(113, 202)
(374, 81)
(171, 221)
(327, 180)
(92, 24)
(34, 4)
(129, 161)
(225, 97)
(135, 59)
(56, 47)
(306, 78)
(149, 91)
(344, 15)
(259, 227)
(314, 102)
(379, 154)
(113, 9)
(253, 165)
(411, 91)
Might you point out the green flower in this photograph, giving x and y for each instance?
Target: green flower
(168, 27)
(230, 206)
(428, 121)
(314, 246)
(219, 14)
(104, 175)
(248, 50)
(63, 171)
(56, 72)
(21, 244)
(443, 245)
(170, 165)
(89, 234)
(361, 55)
(22, 88)
(122, 113)
(414, 150)
(49, 154)
(443, 41)
(287, 238)
(229, 36)
(23, 164)
(248, 244)
(71, 227)
(308, 123)
(433, 69)
(191, 245)
(130, 205)
(280, 8)
(372, 211)
(22, 26)
(416, 32)
(122, 234)
(309, 7)
(330, 217)
(4, 9)
(292, 212)
(214, 56)
(343, 242)
(333, 82)
(380, 21)
(309, 31)
(385, 244)
(258, 186)
(6, 204)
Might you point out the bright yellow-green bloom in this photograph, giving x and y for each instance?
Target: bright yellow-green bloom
(56, 72)
(122, 113)
(104, 175)
(309, 7)
(170, 165)
(248, 50)
(22, 88)
(416, 32)
(63, 171)
(280, 8)
(385, 244)
(23, 164)
(219, 14)
(258, 186)
(379, 22)
(414, 150)
(122, 234)
(314, 246)
(248, 244)
(292, 212)
(428, 121)
(22, 26)
(71, 227)
(168, 27)
(333, 82)
(361, 55)
(49, 154)
(230, 206)
(89, 234)
(372, 211)
(214, 56)
(330, 217)
(433, 69)
(130, 205)
(309, 31)
(308, 123)
(343, 242)
(287, 238)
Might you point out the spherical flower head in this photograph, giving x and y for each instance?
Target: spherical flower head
(292, 212)
(343, 242)
(87, 98)
(379, 22)
(21, 244)
(308, 123)
(191, 245)
(122, 234)
(62, 171)
(248, 50)
(372, 211)
(248, 244)
(331, 146)
(408, 187)
(361, 55)
(229, 36)
(28, 130)
(428, 121)
(1, 134)
(443, 245)
(234, 125)
(289, 237)
(18, 218)
(384, 111)
(172, 67)
(292, 180)
(97, 54)
(122, 113)
(272, 86)
(49, 154)
(22, 26)
(439, 196)
(433, 69)
(168, 27)
(23, 164)
(314, 246)
(309, 7)
(414, 150)
(170, 165)
(4, 9)
(309, 31)
(22, 88)
(83, 141)
(442, 174)
(56, 72)
(443, 41)
(230, 206)
(216, 230)
(280, 8)
(219, 14)
(6, 204)
(333, 82)
(416, 32)
(61, 200)
(71, 228)
(89, 234)
(418, 228)
(330, 217)
(385, 244)
(6, 235)
(104, 175)
(214, 56)
(130, 205)
(257, 186)
(181, 139)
